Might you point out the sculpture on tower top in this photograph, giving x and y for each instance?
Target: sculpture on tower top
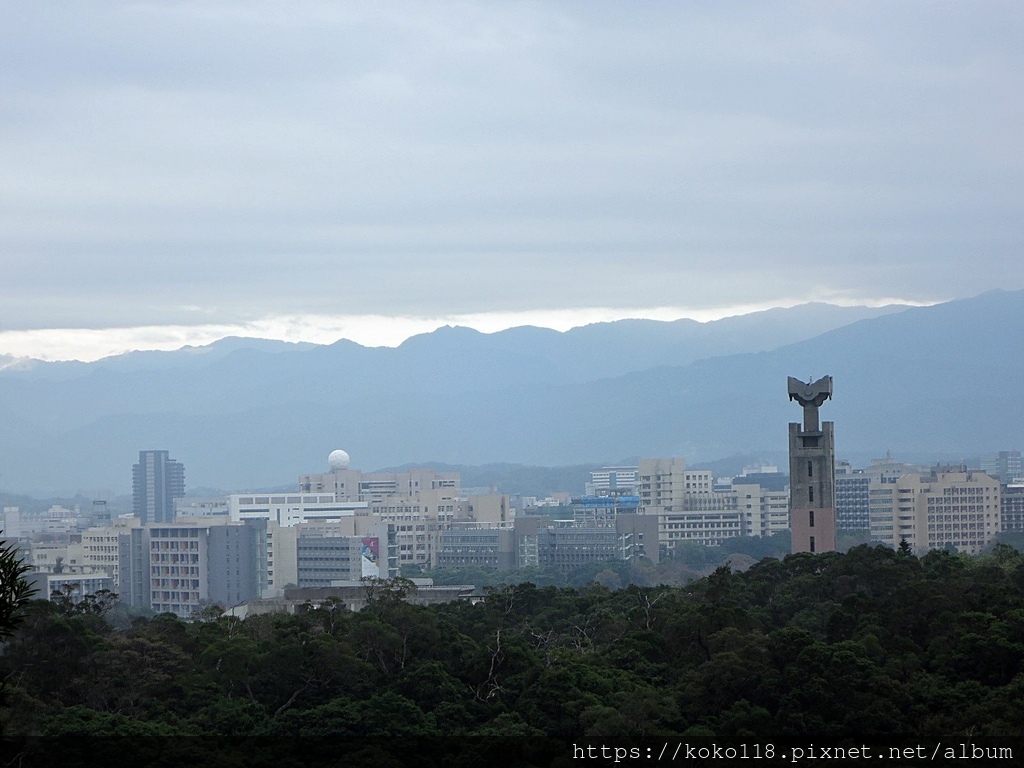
(810, 395)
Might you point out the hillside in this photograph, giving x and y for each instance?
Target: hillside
(910, 381)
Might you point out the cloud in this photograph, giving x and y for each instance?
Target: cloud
(401, 160)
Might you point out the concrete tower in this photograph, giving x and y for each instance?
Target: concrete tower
(157, 480)
(812, 470)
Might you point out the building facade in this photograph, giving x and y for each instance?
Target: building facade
(1012, 512)
(347, 484)
(691, 507)
(293, 508)
(157, 480)
(854, 489)
(609, 481)
(325, 557)
(947, 507)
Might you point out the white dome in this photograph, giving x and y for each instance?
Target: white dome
(338, 459)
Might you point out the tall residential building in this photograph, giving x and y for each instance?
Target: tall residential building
(1006, 465)
(182, 567)
(157, 480)
(950, 506)
(812, 472)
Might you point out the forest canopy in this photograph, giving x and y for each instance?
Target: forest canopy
(869, 647)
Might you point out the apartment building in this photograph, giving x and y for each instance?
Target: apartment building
(949, 506)
(182, 567)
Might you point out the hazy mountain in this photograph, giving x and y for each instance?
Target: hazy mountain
(186, 357)
(941, 379)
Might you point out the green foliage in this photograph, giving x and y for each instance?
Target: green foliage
(873, 646)
(15, 591)
(100, 603)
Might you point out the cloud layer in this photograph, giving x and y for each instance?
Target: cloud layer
(221, 164)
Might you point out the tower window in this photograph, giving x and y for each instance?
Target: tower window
(812, 543)
(810, 469)
(810, 518)
(810, 494)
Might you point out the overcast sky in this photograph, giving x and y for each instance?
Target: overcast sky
(181, 170)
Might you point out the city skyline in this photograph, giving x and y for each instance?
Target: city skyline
(418, 384)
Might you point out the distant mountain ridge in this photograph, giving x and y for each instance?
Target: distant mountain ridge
(256, 415)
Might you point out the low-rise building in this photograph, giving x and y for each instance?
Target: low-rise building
(484, 545)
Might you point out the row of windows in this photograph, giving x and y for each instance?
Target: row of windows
(175, 583)
(249, 500)
(174, 558)
(173, 570)
(175, 596)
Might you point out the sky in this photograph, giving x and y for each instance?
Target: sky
(175, 172)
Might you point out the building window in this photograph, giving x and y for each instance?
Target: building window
(810, 494)
(810, 469)
(810, 516)
(812, 543)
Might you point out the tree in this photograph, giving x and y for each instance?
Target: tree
(98, 604)
(15, 591)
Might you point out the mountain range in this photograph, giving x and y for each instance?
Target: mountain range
(939, 382)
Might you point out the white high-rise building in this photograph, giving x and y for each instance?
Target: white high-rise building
(951, 506)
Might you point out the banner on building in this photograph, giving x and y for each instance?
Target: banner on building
(371, 558)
